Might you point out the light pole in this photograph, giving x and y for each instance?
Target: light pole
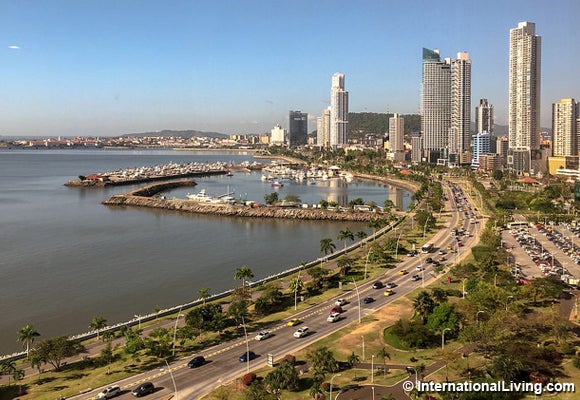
(575, 305)
(425, 227)
(463, 290)
(333, 376)
(175, 330)
(363, 347)
(397, 247)
(247, 347)
(358, 298)
(477, 316)
(416, 378)
(443, 338)
(372, 368)
(367, 262)
(172, 379)
(296, 291)
(373, 389)
(139, 319)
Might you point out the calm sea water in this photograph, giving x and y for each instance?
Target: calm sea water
(65, 258)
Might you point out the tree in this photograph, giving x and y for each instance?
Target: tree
(353, 360)
(283, 377)
(443, 317)
(383, 353)
(8, 368)
(375, 224)
(97, 324)
(344, 264)
(388, 205)
(322, 361)
(54, 350)
(204, 293)
(326, 246)
(423, 305)
(26, 336)
(345, 234)
(361, 235)
(318, 273)
(243, 273)
(271, 198)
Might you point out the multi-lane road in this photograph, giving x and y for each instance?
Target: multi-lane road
(223, 363)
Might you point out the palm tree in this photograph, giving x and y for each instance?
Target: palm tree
(376, 223)
(243, 273)
(345, 234)
(97, 324)
(424, 305)
(26, 336)
(326, 246)
(204, 293)
(361, 235)
(9, 368)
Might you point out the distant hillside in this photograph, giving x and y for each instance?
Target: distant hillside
(364, 123)
(183, 134)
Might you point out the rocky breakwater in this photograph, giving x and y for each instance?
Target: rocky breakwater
(145, 197)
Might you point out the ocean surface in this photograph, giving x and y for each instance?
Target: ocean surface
(65, 258)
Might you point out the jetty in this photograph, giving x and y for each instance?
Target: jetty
(150, 197)
(148, 174)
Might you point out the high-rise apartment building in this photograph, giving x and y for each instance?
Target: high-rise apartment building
(278, 136)
(524, 87)
(435, 102)
(460, 131)
(565, 127)
(484, 117)
(338, 112)
(481, 145)
(397, 136)
(297, 128)
(323, 129)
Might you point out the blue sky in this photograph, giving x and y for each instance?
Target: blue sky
(109, 67)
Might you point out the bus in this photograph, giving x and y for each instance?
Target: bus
(426, 248)
(517, 224)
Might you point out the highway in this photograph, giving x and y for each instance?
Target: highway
(223, 365)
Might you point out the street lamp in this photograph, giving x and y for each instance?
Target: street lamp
(372, 368)
(139, 319)
(416, 378)
(425, 227)
(333, 376)
(175, 330)
(172, 379)
(247, 346)
(373, 389)
(477, 316)
(397, 247)
(443, 338)
(367, 262)
(363, 347)
(358, 297)
(296, 291)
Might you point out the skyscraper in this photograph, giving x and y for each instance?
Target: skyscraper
(396, 137)
(524, 87)
(460, 131)
(484, 117)
(565, 127)
(435, 102)
(298, 128)
(323, 129)
(338, 111)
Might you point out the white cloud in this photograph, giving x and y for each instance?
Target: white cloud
(14, 47)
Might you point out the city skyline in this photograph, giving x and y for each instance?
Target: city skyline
(108, 68)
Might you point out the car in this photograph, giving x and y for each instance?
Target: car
(442, 259)
(391, 285)
(389, 292)
(196, 362)
(449, 248)
(336, 309)
(441, 252)
(368, 300)
(294, 322)
(301, 332)
(459, 244)
(248, 355)
(334, 317)
(419, 268)
(415, 278)
(263, 335)
(109, 392)
(378, 285)
(143, 389)
(428, 260)
(340, 302)
(403, 272)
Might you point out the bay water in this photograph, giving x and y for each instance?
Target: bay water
(66, 258)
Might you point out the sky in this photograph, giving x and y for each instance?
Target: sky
(111, 67)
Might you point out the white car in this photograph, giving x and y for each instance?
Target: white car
(340, 302)
(109, 392)
(301, 332)
(419, 268)
(263, 335)
(334, 317)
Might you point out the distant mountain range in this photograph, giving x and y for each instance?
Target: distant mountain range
(172, 133)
